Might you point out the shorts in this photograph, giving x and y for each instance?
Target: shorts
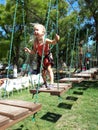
(47, 60)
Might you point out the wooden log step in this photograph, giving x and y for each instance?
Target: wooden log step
(3, 120)
(75, 80)
(83, 75)
(12, 112)
(57, 90)
(23, 104)
(88, 72)
(95, 70)
(62, 85)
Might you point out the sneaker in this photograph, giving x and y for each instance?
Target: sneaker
(44, 85)
(50, 86)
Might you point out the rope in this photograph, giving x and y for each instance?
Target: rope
(25, 36)
(11, 44)
(67, 49)
(25, 41)
(72, 52)
(46, 26)
(57, 48)
(24, 25)
(73, 48)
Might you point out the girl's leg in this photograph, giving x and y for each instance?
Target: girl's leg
(51, 75)
(44, 76)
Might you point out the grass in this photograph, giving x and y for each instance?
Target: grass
(77, 109)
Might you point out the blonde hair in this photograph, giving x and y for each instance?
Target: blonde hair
(39, 25)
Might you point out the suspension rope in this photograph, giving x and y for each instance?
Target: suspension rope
(25, 36)
(57, 48)
(11, 44)
(46, 26)
(67, 48)
(24, 25)
(76, 31)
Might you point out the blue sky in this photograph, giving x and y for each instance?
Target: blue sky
(2, 1)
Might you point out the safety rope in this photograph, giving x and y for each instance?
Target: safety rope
(67, 48)
(25, 35)
(76, 31)
(11, 44)
(46, 26)
(57, 47)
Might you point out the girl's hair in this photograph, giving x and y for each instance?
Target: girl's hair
(40, 25)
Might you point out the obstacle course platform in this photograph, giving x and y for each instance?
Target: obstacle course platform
(13, 111)
(57, 90)
(75, 80)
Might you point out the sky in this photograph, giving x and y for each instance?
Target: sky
(2, 1)
(73, 6)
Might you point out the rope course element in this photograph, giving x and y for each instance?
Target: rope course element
(57, 90)
(16, 110)
(11, 44)
(46, 26)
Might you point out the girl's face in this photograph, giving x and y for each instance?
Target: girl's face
(38, 31)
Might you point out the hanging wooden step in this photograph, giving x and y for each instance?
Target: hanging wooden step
(23, 104)
(3, 120)
(13, 111)
(84, 75)
(74, 80)
(95, 70)
(92, 72)
(57, 90)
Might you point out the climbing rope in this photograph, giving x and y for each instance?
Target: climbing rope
(11, 44)
(57, 47)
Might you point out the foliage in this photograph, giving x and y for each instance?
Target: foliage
(74, 22)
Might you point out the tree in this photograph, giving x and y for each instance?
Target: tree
(26, 12)
(89, 13)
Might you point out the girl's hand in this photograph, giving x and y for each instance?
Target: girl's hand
(1, 82)
(57, 37)
(26, 49)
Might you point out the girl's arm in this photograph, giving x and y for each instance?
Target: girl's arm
(29, 51)
(54, 41)
(1, 81)
(33, 51)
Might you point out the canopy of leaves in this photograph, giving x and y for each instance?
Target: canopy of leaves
(74, 22)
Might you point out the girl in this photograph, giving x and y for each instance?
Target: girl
(41, 47)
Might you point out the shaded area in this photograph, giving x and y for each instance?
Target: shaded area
(65, 105)
(82, 88)
(86, 84)
(78, 93)
(52, 117)
(71, 98)
(21, 128)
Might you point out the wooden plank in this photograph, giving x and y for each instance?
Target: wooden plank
(13, 112)
(23, 104)
(62, 85)
(95, 70)
(3, 120)
(88, 72)
(57, 90)
(83, 75)
(12, 122)
(75, 80)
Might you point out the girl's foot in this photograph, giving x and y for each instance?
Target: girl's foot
(50, 86)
